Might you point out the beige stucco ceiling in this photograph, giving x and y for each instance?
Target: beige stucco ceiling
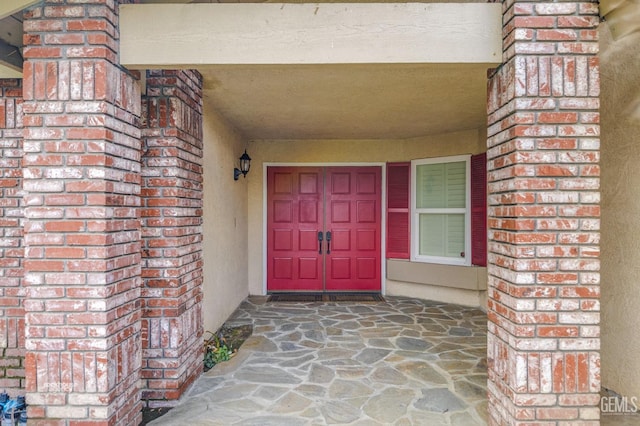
(348, 101)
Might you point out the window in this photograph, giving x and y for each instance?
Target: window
(440, 210)
(437, 209)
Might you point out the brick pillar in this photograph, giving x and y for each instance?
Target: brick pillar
(543, 150)
(11, 238)
(172, 235)
(82, 227)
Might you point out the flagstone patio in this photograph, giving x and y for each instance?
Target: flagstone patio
(405, 361)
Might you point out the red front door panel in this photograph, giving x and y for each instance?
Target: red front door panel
(294, 219)
(352, 215)
(303, 201)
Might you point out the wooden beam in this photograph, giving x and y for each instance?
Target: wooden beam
(8, 72)
(9, 7)
(10, 56)
(197, 35)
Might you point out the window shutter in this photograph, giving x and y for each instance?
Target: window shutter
(479, 209)
(398, 211)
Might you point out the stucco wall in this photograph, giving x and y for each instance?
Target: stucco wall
(341, 151)
(620, 109)
(464, 285)
(225, 221)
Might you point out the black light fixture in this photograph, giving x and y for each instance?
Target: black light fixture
(245, 165)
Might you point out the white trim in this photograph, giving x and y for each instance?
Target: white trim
(279, 164)
(383, 231)
(264, 228)
(383, 218)
(414, 257)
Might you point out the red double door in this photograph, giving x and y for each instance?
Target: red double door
(323, 229)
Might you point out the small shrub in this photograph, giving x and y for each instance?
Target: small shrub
(216, 350)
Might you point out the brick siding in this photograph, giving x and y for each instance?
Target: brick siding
(543, 152)
(172, 235)
(82, 228)
(101, 224)
(11, 238)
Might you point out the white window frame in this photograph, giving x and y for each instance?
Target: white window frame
(415, 213)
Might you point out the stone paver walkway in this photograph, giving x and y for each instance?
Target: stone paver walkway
(403, 362)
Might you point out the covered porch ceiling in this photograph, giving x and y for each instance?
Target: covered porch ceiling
(362, 101)
(324, 70)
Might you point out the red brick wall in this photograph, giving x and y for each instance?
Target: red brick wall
(172, 234)
(11, 238)
(543, 345)
(82, 227)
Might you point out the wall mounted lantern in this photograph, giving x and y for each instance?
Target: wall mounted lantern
(245, 165)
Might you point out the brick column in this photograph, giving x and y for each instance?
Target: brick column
(172, 235)
(11, 238)
(82, 230)
(543, 150)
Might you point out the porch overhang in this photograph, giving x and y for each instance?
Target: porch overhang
(9, 7)
(326, 70)
(10, 38)
(10, 61)
(201, 35)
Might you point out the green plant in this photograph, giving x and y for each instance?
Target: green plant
(216, 350)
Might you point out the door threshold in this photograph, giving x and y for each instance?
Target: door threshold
(349, 297)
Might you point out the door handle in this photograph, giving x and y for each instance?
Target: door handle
(319, 242)
(328, 242)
